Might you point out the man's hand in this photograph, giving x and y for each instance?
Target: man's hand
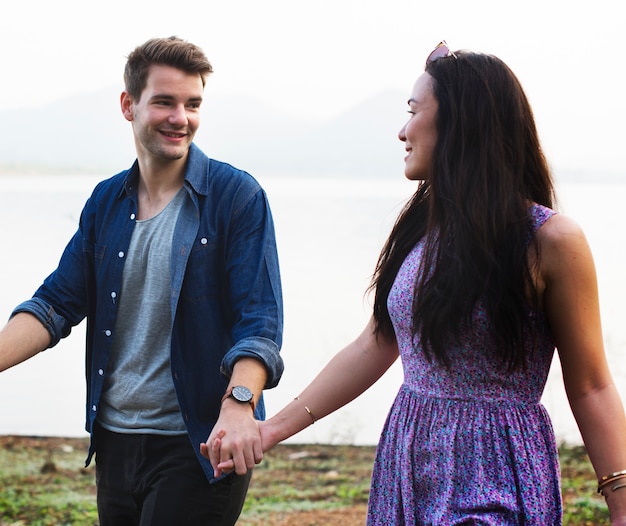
(235, 442)
(213, 452)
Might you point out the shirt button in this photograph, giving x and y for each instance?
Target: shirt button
(204, 241)
(132, 217)
(120, 254)
(93, 407)
(100, 372)
(107, 332)
(113, 295)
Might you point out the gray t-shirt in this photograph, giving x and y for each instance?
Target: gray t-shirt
(138, 394)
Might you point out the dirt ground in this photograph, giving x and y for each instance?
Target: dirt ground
(295, 485)
(352, 516)
(315, 470)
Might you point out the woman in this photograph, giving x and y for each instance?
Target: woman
(478, 283)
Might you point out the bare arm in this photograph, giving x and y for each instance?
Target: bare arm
(21, 338)
(571, 302)
(348, 374)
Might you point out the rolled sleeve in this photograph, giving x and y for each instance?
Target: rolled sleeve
(262, 349)
(55, 324)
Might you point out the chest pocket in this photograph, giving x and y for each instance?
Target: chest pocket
(203, 278)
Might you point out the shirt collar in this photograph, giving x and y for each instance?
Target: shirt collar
(197, 170)
(196, 174)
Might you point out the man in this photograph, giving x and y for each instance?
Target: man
(174, 265)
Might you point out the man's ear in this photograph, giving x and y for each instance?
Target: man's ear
(126, 104)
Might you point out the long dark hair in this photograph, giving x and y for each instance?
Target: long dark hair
(488, 167)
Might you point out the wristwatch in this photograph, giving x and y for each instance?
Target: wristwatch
(241, 394)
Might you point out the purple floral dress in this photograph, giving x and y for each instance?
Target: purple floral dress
(471, 444)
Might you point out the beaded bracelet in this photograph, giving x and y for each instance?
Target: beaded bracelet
(608, 479)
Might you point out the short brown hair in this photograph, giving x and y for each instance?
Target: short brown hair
(172, 51)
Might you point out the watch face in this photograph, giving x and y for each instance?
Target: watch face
(242, 394)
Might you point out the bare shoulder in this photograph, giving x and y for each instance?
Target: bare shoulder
(562, 242)
(557, 227)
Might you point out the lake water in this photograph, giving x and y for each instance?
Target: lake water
(329, 234)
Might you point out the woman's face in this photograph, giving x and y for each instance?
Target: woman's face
(419, 134)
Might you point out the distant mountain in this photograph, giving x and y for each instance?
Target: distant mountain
(86, 133)
(80, 133)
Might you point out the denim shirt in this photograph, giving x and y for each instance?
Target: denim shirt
(225, 297)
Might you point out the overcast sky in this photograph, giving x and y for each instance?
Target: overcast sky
(315, 59)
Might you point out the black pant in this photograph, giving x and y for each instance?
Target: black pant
(153, 480)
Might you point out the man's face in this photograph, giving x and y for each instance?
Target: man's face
(167, 115)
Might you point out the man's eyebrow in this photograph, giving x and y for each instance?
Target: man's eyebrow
(166, 96)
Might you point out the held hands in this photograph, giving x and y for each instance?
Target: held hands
(211, 449)
(235, 442)
(216, 450)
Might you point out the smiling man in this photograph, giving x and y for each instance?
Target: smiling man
(174, 265)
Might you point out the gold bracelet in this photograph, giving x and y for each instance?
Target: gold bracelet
(313, 419)
(612, 475)
(614, 488)
(607, 479)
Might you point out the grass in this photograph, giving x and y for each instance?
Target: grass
(43, 483)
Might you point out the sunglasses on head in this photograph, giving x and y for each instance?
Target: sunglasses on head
(441, 51)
